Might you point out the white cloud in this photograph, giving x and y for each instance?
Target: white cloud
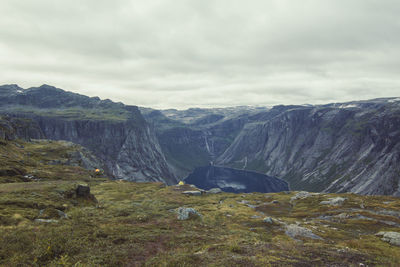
(183, 53)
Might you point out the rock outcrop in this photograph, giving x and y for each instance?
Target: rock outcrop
(18, 128)
(187, 213)
(295, 231)
(390, 237)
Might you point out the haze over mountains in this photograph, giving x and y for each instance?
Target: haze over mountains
(339, 147)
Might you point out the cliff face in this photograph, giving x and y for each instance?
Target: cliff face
(18, 128)
(117, 134)
(347, 148)
(194, 138)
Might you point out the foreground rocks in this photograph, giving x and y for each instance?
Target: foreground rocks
(187, 213)
(83, 190)
(337, 201)
(390, 237)
(192, 193)
(294, 231)
(137, 219)
(214, 191)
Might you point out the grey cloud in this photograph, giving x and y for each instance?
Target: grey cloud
(183, 53)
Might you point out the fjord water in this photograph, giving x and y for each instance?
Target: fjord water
(234, 180)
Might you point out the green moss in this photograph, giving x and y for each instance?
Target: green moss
(77, 113)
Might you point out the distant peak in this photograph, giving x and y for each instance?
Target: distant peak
(11, 86)
(46, 86)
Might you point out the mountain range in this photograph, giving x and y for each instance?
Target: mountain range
(337, 147)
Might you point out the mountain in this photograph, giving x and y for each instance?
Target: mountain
(338, 147)
(350, 147)
(116, 133)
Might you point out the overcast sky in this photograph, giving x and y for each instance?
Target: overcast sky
(204, 53)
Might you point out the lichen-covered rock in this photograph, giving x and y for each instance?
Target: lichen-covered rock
(268, 220)
(337, 201)
(293, 230)
(390, 237)
(214, 191)
(52, 213)
(187, 213)
(46, 221)
(301, 195)
(192, 193)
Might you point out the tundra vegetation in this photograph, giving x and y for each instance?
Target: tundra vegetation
(44, 221)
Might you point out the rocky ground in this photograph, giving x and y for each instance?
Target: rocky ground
(76, 217)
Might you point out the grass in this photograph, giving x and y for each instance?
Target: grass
(42, 159)
(135, 224)
(75, 113)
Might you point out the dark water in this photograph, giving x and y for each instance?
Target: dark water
(236, 181)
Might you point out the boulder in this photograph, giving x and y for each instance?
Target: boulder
(52, 213)
(268, 220)
(337, 201)
(192, 193)
(83, 190)
(187, 213)
(46, 221)
(293, 230)
(214, 191)
(390, 237)
(300, 195)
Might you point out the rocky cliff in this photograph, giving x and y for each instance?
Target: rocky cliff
(19, 128)
(342, 147)
(117, 134)
(196, 137)
(351, 147)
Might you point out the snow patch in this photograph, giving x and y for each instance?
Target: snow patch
(348, 106)
(394, 100)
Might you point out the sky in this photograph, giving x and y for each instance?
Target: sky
(208, 53)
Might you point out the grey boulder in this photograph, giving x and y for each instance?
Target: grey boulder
(337, 201)
(294, 231)
(390, 237)
(186, 213)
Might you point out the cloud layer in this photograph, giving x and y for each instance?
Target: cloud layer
(210, 53)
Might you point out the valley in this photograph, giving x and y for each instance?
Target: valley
(90, 182)
(55, 210)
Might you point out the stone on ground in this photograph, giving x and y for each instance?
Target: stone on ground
(390, 237)
(294, 231)
(186, 213)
